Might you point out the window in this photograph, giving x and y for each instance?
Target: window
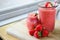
(13, 8)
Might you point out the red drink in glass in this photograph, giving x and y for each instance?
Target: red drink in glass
(32, 21)
(47, 17)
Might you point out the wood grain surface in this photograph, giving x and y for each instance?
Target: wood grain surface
(55, 35)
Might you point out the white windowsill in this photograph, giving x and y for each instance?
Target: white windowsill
(2, 23)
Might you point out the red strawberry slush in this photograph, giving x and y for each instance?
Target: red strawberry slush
(32, 21)
(47, 17)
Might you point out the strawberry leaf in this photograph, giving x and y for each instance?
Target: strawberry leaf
(39, 33)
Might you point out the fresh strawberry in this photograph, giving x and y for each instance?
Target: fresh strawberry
(31, 32)
(48, 4)
(39, 27)
(37, 34)
(45, 33)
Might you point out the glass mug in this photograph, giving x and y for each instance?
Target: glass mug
(47, 16)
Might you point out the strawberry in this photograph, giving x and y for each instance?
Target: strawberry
(39, 27)
(45, 33)
(31, 32)
(48, 4)
(37, 34)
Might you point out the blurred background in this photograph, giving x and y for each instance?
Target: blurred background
(14, 9)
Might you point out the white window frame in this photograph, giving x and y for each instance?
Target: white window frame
(8, 14)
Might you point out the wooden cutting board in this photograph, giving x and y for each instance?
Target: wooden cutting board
(20, 31)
